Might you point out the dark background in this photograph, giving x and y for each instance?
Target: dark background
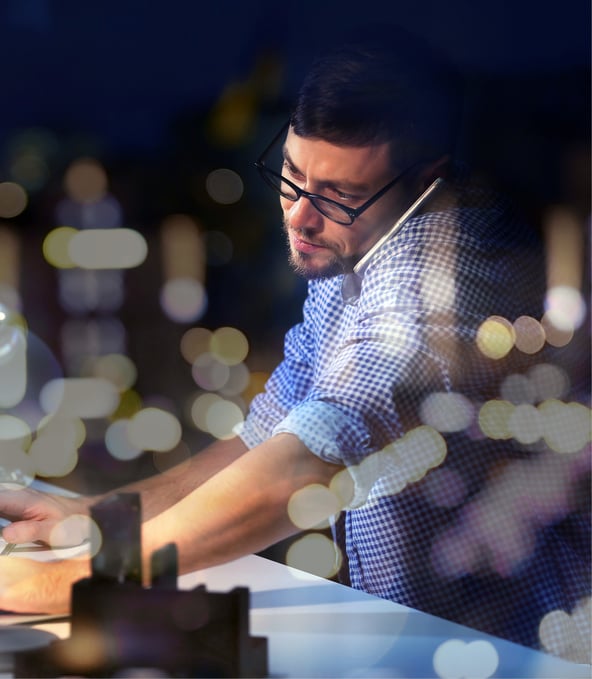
(143, 86)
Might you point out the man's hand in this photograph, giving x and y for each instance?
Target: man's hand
(28, 586)
(36, 515)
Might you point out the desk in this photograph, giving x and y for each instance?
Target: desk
(317, 628)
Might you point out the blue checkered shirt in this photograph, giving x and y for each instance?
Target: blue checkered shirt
(354, 386)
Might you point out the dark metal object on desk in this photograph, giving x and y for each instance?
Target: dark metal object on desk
(120, 626)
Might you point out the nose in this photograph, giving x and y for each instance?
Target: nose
(301, 214)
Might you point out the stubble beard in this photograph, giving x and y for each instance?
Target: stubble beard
(301, 262)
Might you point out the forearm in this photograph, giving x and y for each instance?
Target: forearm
(242, 510)
(161, 491)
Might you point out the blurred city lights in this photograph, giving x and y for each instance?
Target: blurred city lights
(420, 450)
(568, 636)
(315, 553)
(15, 430)
(222, 417)
(238, 380)
(556, 336)
(13, 199)
(525, 424)
(447, 412)
(118, 443)
(565, 307)
(75, 530)
(456, 659)
(16, 467)
(117, 368)
(495, 337)
(518, 389)
(10, 257)
(82, 397)
(54, 452)
(13, 361)
(494, 417)
(56, 247)
(104, 213)
(85, 180)
(549, 381)
(566, 427)
(154, 429)
(200, 407)
(194, 342)
(529, 335)
(224, 186)
(130, 403)
(209, 372)
(182, 248)
(107, 248)
(229, 345)
(29, 154)
(311, 506)
(184, 300)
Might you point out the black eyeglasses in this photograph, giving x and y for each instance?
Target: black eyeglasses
(336, 212)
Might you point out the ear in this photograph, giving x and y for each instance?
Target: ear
(434, 169)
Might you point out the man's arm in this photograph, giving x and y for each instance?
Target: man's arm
(243, 508)
(35, 514)
(161, 491)
(239, 510)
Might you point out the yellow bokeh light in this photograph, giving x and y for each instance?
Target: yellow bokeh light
(566, 426)
(229, 345)
(495, 337)
(130, 403)
(200, 407)
(494, 417)
(222, 417)
(311, 506)
(315, 553)
(56, 247)
(420, 450)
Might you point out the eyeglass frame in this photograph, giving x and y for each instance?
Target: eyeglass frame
(352, 213)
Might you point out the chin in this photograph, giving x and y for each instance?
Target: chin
(306, 267)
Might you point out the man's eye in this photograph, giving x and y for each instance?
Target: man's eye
(291, 171)
(344, 197)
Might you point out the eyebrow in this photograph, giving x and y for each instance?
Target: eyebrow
(345, 185)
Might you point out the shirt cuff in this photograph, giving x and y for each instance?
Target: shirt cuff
(333, 436)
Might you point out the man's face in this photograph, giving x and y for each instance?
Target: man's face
(318, 246)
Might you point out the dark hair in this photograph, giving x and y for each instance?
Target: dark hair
(383, 86)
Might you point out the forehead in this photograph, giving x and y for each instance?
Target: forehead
(324, 161)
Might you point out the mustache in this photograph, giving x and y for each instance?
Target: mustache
(307, 235)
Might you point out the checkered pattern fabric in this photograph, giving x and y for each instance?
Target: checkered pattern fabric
(429, 524)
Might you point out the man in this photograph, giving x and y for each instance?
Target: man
(378, 393)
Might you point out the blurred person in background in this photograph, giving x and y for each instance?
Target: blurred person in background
(378, 393)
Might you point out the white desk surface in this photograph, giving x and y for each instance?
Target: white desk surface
(317, 628)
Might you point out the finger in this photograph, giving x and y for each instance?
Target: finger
(26, 531)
